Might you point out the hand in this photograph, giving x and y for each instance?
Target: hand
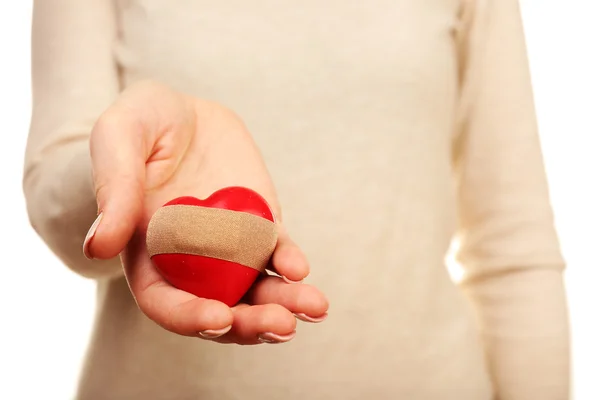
(154, 144)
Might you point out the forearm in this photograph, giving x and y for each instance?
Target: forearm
(524, 326)
(62, 206)
(74, 79)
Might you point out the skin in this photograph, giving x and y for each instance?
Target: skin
(154, 144)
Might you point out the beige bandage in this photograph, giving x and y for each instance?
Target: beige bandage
(228, 235)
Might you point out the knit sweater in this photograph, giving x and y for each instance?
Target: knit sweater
(391, 129)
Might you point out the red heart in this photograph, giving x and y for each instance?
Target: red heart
(203, 275)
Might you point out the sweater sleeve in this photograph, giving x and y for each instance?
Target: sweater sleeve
(508, 245)
(74, 78)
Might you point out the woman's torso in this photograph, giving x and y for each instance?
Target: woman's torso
(352, 104)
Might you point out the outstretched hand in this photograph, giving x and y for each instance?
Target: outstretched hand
(154, 144)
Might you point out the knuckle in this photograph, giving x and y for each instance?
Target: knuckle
(100, 187)
(109, 121)
(117, 123)
(170, 321)
(224, 114)
(295, 302)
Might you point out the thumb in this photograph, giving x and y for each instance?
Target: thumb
(118, 152)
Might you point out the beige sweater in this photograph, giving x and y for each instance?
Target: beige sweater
(389, 127)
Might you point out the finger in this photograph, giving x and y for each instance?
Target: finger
(118, 162)
(269, 323)
(305, 301)
(183, 313)
(288, 260)
(175, 310)
(124, 141)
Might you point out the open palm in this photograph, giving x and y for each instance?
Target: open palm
(154, 144)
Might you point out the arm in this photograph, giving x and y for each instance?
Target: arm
(169, 144)
(508, 244)
(74, 80)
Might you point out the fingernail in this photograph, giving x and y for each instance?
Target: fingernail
(273, 338)
(289, 280)
(90, 236)
(214, 333)
(306, 318)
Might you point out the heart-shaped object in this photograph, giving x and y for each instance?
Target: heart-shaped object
(213, 248)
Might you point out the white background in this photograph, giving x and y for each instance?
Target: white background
(46, 311)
